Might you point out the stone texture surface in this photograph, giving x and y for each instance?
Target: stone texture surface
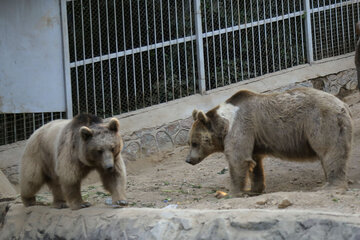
(7, 192)
(134, 223)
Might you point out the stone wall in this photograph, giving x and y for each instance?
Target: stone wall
(145, 142)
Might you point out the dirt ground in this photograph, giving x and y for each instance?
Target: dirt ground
(167, 181)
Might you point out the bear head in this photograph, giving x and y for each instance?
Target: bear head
(204, 136)
(101, 144)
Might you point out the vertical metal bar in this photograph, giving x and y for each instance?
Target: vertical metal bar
(259, 37)
(101, 64)
(109, 60)
(221, 53)
(331, 31)
(92, 58)
(141, 54)
(320, 31)
(265, 34)
(133, 54)
(163, 50)
(214, 49)
(42, 119)
(354, 23)
(227, 44)
(233, 40)
(337, 29)
(125, 57)
(185, 49)
(240, 43)
(342, 26)
(296, 36)
(192, 44)
(84, 55)
(290, 36)
(253, 37)
(24, 122)
(284, 33)
(326, 31)
(171, 55)
(117, 57)
(178, 49)
(302, 35)
(5, 129)
(148, 51)
(278, 37)
(207, 45)
(247, 46)
(308, 33)
(314, 27)
(66, 60)
(34, 127)
(156, 55)
(199, 47)
(14, 122)
(272, 41)
(75, 55)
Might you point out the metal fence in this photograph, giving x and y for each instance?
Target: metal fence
(126, 55)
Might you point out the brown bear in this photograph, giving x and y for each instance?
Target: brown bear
(302, 124)
(61, 153)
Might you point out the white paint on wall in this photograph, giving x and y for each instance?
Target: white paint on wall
(31, 57)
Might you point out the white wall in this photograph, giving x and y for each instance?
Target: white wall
(31, 56)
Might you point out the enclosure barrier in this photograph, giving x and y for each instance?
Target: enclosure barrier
(124, 55)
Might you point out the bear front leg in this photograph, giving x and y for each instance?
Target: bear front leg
(239, 170)
(257, 176)
(115, 183)
(73, 196)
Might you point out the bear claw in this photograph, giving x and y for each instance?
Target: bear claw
(122, 202)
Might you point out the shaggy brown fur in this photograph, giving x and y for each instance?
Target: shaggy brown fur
(302, 124)
(63, 152)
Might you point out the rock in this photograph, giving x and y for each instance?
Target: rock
(7, 192)
(284, 204)
(164, 141)
(262, 202)
(181, 137)
(145, 223)
(4, 208)
(172, 128)
(148, 144)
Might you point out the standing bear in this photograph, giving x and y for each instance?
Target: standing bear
(62, 152)
(302, 124)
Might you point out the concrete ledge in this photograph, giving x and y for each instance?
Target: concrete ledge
(182, 108)
(135, 223)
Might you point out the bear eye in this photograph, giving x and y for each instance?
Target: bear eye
(100, 151)
(113, 149)
(194, 145)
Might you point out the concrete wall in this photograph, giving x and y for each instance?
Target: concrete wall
(31, 57)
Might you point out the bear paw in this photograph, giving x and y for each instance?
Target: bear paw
(80, 205)
(59, 205)
(122, 203)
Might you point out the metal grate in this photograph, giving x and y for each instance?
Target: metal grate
(333, 27)
(127, 55)
(19, 126)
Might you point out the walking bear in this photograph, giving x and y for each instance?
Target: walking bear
(62, 152)
(302, 124)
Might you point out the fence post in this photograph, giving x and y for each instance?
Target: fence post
(308, 32)
(199, 47)
(66, 60)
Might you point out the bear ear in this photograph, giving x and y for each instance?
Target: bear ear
(201, 116)
(194, 114)
(114, 125)
(86, 133)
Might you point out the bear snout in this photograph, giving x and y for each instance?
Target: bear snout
(191, 161)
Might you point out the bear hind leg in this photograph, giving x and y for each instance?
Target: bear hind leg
(334, 164)
(58, 196)
(31, 180)
(73, 196)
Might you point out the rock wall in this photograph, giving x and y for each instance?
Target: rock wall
(135, 223)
